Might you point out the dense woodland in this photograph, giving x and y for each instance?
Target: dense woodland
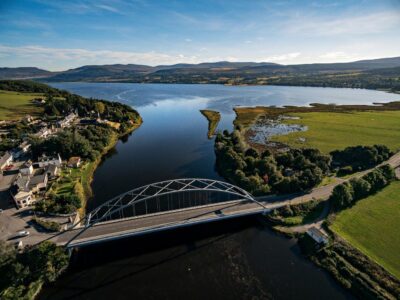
(287, 172)
(22, 274)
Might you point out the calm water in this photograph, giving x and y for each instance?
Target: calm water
(234, 260)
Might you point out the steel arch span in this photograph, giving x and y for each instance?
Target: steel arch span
(166, 196)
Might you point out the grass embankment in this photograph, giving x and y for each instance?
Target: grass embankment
(372, 227)
(213, 118)
(14, 105)
(330, 131)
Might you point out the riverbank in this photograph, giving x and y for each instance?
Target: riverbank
(90, 168)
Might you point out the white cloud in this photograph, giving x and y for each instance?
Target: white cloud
(79, 57)
(339, 56)
(365, 24)
(107, 8)
(282, 57)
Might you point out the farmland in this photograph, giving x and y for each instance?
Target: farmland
(329, 131)
(372, 227)
(14, 105)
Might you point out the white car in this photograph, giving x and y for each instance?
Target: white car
(22, 233)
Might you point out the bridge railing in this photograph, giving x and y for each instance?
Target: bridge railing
(167, 195)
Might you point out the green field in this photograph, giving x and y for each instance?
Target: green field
(329, 131)
(372, 226)
(14, 105)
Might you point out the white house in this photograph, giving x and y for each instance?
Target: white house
(5, 160)
(23, 199)
(317, 235)
(67, 121)
(45, 161)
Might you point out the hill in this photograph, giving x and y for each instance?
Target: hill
(23, 73)
(381, 73)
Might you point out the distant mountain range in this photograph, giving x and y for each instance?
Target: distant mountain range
(218, 72)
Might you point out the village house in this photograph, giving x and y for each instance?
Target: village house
(67, 121)
(22, 183)
(317, 235)
(38, 182)
(52, 171)
(45, 161)
(74, 162)
(6, 160)
(43, 133)
(23, 199)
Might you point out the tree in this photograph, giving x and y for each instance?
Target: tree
(251, 152)
(342, 195)
(388, 172)
(7, 253)
(47, 260)
(376, 179)
(100, 107)
(361, 188)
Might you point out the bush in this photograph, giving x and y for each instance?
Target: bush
(48, 225)
(360, 157)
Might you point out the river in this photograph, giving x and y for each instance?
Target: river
(239, 259)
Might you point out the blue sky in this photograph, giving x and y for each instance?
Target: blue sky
(57, 35)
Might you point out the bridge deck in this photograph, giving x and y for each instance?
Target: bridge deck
(185, 217)
(156, 222)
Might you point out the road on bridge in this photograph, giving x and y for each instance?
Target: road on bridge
(172, 219)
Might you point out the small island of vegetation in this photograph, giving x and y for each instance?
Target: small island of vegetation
(213, 118)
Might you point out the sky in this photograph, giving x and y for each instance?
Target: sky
(59, 35)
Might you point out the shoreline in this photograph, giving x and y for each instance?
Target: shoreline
(226, 84)
(91, 167)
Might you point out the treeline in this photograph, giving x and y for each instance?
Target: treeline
(87, 142)
(294, 171)
(28, 86)
(387, 78)
(22, 274)
(348, 193)
(376, 79)
(358, 158)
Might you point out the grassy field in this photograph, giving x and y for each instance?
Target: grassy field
(329, 131)
(372, 226)
(14, 105)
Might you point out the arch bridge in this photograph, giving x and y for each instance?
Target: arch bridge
(160, 206)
